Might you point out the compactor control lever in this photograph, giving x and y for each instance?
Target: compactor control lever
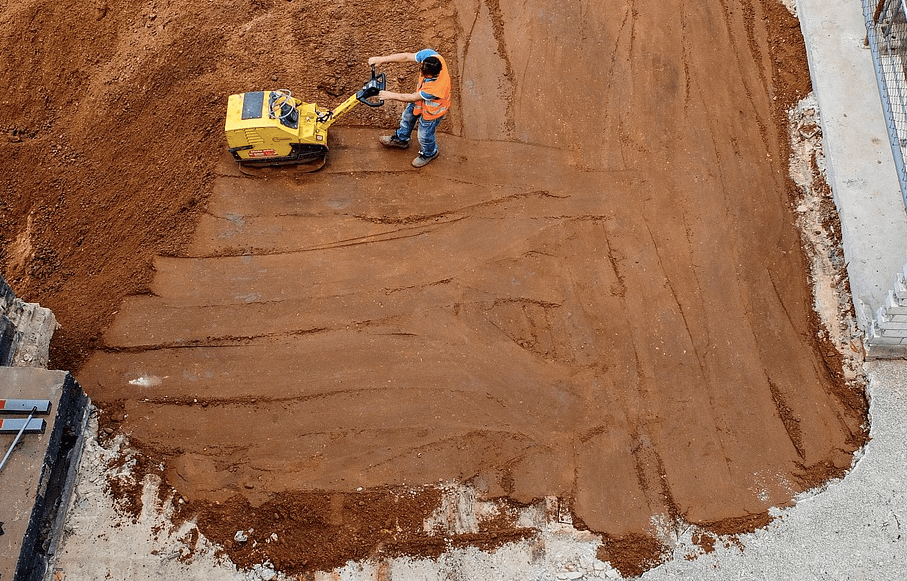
(371, 88)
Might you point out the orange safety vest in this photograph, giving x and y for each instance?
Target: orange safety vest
(440, 88)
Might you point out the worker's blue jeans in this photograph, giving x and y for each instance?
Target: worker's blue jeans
(426, 131)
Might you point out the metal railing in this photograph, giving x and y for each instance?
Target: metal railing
(886, 32)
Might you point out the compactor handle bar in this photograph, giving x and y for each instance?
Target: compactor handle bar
(371, 89)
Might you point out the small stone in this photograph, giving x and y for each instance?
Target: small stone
(108, 430)
(240, 537)
(275, 78)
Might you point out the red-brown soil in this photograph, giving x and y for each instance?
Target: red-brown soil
(597, 292)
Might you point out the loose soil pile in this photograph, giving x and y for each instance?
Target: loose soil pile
(597, 293)
(112, 120)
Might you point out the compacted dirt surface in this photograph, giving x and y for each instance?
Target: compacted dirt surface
(596, 293)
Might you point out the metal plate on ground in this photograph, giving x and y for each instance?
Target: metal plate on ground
(24, 406)
(14, 425)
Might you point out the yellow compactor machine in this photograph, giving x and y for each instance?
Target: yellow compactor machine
(273, 128)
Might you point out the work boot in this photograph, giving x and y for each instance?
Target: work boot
(423, 160)
(393, 141)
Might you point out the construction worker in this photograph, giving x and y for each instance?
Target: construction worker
(427, 106)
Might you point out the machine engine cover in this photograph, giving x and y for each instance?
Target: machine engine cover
(255, 136)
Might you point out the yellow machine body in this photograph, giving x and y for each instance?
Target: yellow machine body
(273, 128)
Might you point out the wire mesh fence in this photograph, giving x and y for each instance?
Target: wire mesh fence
(886, 32)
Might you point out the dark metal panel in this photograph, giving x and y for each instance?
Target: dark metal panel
(252, 105)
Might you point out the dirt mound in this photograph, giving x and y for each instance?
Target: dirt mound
(113, 120)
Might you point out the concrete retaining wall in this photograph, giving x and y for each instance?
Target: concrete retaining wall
(25, 331)
(40, 468)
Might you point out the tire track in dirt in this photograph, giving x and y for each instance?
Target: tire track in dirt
(626, 140)
(749, 16)
(496, 90)
(508, 82)
(684, 57)
(675, 298)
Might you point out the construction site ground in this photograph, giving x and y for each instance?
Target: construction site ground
(584, 334)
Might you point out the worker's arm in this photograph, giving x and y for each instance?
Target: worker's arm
(405, 97)
(400, 57)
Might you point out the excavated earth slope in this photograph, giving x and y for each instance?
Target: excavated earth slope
(597, 292)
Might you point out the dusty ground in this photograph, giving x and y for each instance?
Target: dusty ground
(598, 293)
